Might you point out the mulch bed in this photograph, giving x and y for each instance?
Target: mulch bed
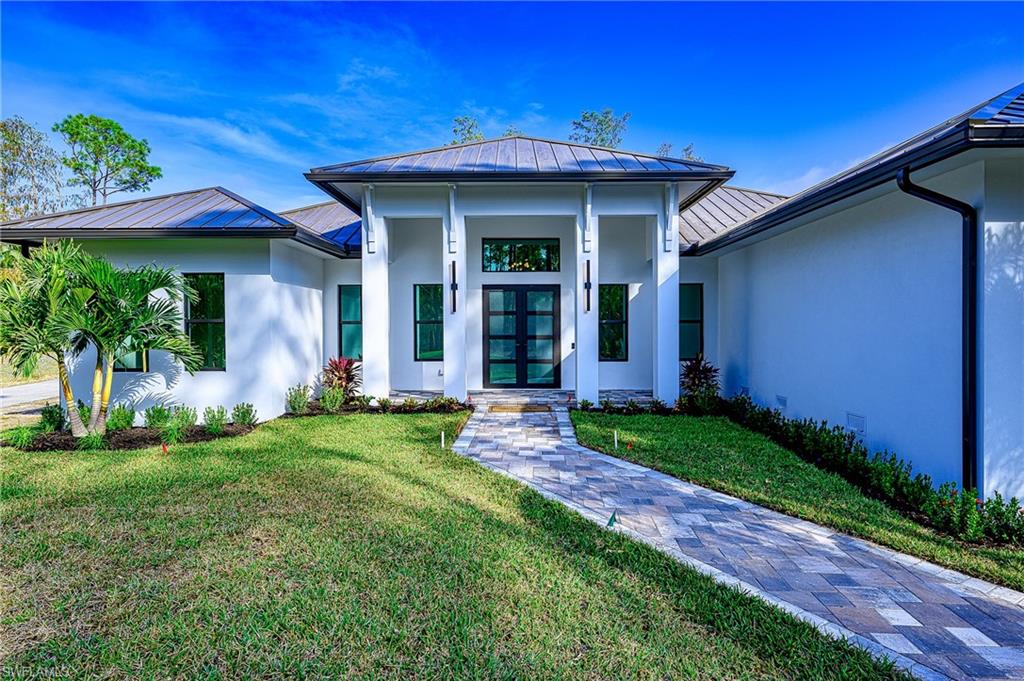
(132, 438)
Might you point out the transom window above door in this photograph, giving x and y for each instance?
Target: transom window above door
(521, 255)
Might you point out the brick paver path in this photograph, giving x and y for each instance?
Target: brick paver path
(937, 623)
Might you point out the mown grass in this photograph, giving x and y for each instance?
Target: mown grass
(349, 547)
(716, 453)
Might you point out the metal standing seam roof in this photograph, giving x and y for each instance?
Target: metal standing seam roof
(515, 156)
(713, 215)
(209, 211)
(331, 221)
(999, 122)
(720, 211)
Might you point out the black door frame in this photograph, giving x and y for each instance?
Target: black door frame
(521, 337)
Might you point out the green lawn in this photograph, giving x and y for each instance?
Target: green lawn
(717, 453)
(46, 368)
(353, 546)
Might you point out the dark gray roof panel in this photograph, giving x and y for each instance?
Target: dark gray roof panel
(721, 211)
(214, 209)
(514, 156)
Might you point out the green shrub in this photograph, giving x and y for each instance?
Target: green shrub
(343, 373)
(84, 412)
(632, 407)
(156, 416)
(586, 405)
(52, 419)
(121, 417)
(297, 398)
(20, 436)
(699, 381)
(409, 405)
(244, 414)
(884, 476)
(90, 442)
(607, 406)
(659, 407)
(384, 404)
(362, 402)
(215, 418)
(182, 420)
(332, 399)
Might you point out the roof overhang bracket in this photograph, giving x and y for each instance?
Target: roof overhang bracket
(587, 233)
(670, 223)
(369, 228)
(453, 238)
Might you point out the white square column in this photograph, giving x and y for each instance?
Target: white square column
(376, 307)
(454, 289)
(665, 275)
(587, 317)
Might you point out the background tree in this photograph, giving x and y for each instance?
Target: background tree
(512, 131)
(599, 128)
(665, 149)
(31, 176)
(104, 158)
(466, 129)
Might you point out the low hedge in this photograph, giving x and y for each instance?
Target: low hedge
(884, 476)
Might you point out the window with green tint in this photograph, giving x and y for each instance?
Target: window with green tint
(691, 320)
(350, 321)
(204, 319)
(613, 332)
(132, 361)
(521, 255)
(428, 301)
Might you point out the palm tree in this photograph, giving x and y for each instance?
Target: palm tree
(127, 310)
(29, 315)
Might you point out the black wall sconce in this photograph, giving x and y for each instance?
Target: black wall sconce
(587, 285)
(454, 286)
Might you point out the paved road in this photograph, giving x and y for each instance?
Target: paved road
(934, 622)
(11, 395)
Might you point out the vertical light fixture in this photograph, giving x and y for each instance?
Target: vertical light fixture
(454, 286)
(587, 285)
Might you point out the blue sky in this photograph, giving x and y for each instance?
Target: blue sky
(249, 96)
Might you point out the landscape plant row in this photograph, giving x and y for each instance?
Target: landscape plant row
(960, 513)
(161, 424)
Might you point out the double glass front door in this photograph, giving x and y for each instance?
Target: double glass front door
(521, 326)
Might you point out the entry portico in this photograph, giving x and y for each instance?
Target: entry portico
(511, 229)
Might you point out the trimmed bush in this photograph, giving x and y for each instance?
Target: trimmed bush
(156, 416)
(384, 404)
(699, 381)
(52, 419)
(90, 442)
(244, 414)
(332, 399)
(297, 398)
(121, 417)
(215, 418)
(586, 405)
(19, 436)
(343, 373)
(182, 420)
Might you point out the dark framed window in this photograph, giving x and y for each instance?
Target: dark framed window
(350, 321)
(613, 329)
(428, 322)
(691, 320)
(521, 255)
(204, 319)
(133, 361)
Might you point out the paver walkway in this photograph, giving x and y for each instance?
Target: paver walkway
(935, 622)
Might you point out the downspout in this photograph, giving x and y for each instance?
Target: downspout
(969, 319)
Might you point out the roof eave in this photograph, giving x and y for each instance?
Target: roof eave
(35, 235)
(957, 139)
(323, 245)
(512, 176)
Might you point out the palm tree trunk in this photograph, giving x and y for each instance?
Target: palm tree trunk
(97, 389)
(77, 427)
(108, 380)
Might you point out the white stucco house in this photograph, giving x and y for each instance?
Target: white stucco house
(888, 299)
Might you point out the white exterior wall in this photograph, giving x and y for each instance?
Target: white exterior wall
(336, 272)
(857, 313)
(704, 270)
(273, 324)
(625, 259)
(415, 258)
(1002, 321)
(554, 227)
